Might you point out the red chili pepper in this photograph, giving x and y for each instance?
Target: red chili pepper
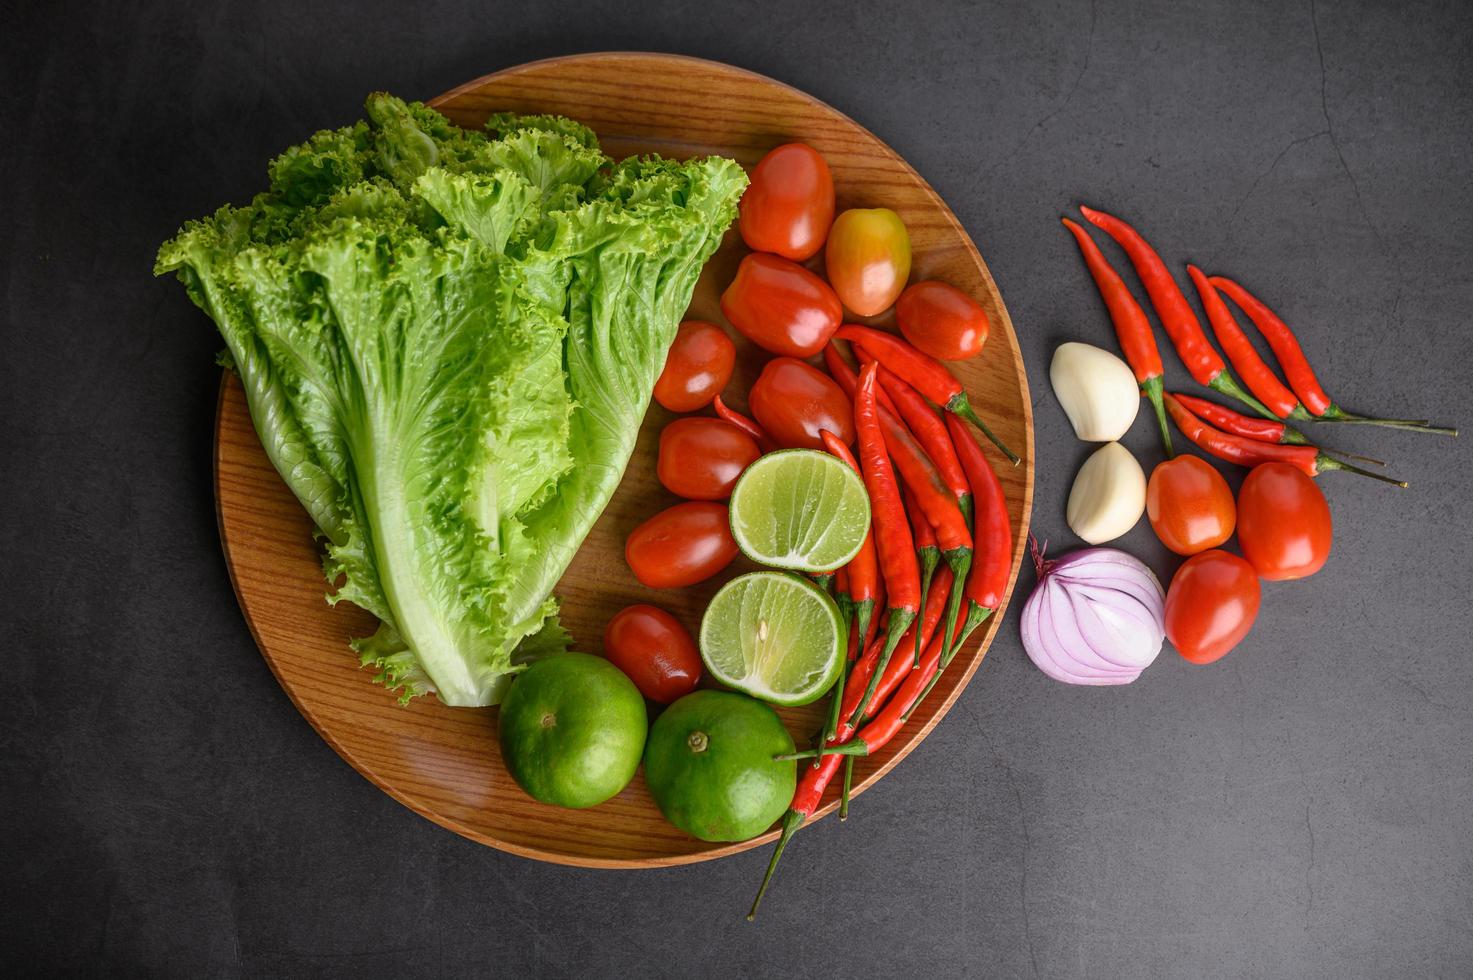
(848, 378)
(1257, 375)
(992, 537)
(1260, 430)
(893, 540)
(1247, 452)
(899, 667)
(863, 569)
(928, 553)
(764, 441)
(1203, 363)
(1132, 329)
(1296, 366)
(917, 470)
(860, 584)
(922, 372)
(876, 733)
(926, 425)
(879, 730)
(938, 507)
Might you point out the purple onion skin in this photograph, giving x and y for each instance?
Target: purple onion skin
(1089, 655)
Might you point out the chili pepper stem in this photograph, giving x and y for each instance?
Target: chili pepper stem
(1229, 385)
(960, 560)
(831, 727)
(1152, 388)
(928, 558)
(960, 406)
(1330, 463)
(1299, 413)
(792, 820)
(844, 793)
(900, 620)
(855, 747)
(1342, 453)
(951, 652)
(863, 610)
(1337, 414)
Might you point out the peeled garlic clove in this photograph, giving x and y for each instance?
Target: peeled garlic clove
(1109, 495)
(1097, 389)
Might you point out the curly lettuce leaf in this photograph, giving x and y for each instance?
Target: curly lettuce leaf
(448, 340)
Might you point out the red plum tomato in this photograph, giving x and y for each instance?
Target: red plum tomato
(781, 306)
(789, 204)
(1211, 605)
(697, 367)
(655, 651)
(942, 320)
(681, 545)
(701, 458)
(1284, 525)
(794, 402)
(1190, 505)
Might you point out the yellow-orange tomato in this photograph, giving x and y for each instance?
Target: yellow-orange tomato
(1189, 505)
(868, 259)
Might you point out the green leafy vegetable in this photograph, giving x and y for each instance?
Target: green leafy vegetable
(448, 339)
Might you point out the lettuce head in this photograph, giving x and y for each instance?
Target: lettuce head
(448, 339)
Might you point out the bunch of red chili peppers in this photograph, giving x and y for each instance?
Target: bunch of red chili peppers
(940, 535)
(1214, 428)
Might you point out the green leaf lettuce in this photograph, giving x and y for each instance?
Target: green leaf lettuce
(448, 340)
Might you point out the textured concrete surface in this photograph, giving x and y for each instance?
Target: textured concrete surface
(1300, 809)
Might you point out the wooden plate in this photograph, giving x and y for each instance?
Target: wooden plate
(444, 762)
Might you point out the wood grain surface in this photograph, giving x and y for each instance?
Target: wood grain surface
(444, 762)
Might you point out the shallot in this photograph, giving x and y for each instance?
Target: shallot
(1097, 616)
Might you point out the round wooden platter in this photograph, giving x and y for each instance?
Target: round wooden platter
(444, 762)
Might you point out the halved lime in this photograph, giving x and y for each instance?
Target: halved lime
(775, 636)
(800, 509)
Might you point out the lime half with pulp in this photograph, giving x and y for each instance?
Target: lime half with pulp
(800, 509)
(775, 636)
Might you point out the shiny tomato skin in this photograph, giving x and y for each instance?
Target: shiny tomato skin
(681, 545)
(1211, 605)
(868, 259)
(1284, 525)
(795, 402)
(701, 458)
(653, 650)
(781, 306)
(941, 320)
(697, 367)
(1190, 505)
(789, 204)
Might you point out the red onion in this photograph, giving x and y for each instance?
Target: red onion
(1096, 617)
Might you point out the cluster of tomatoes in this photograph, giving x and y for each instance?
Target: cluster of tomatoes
(1284, 530)
(787, 217)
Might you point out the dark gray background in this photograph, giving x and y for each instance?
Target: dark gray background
(1299, 809)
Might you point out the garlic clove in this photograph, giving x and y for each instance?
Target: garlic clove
(1108, 496)
(1096, 389)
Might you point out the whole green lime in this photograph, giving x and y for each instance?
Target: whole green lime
(709, 765)
(572, 729)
